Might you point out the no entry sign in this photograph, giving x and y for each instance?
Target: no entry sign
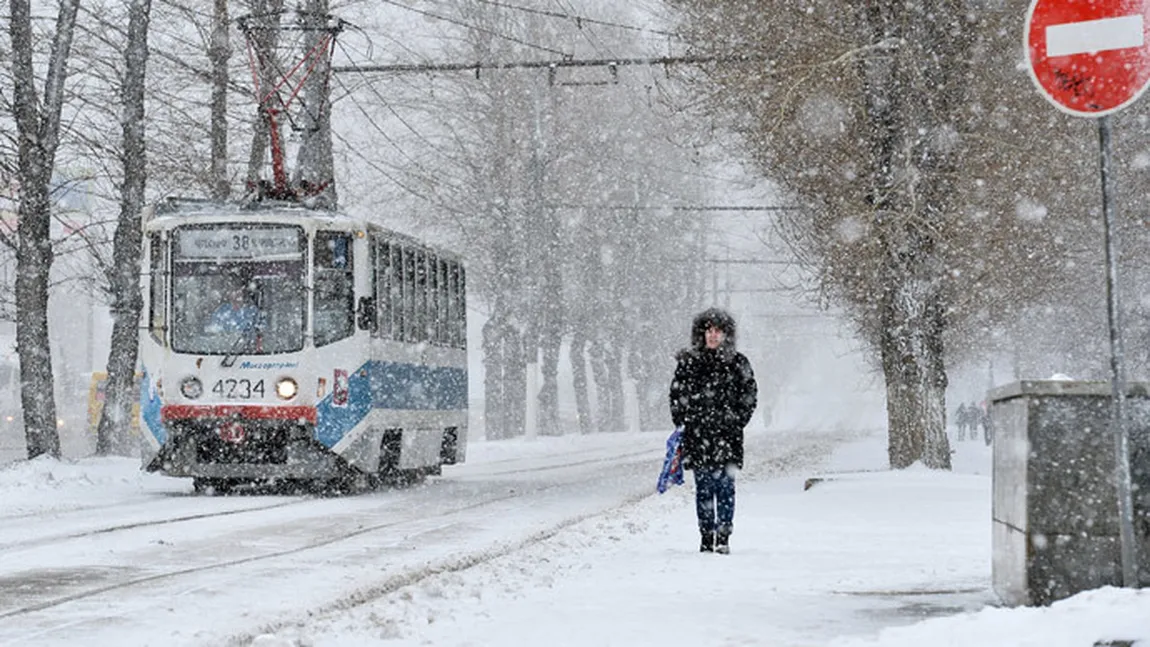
(1089, 57)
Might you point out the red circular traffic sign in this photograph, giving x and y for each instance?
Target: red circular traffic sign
(1089, 57)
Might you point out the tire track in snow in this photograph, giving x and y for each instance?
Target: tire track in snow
(363, 530)
(791, 459)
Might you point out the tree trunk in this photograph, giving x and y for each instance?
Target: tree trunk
(38, 134)
(515, 378)
(219, 51)
(550, 344)
(264, 41)
(936, 453)
(315, 163)
(911, 321)
(607, 369)
(505, 381)
(579, 378)
(616, 412)
(494, 366)
(915, 378)
(550, 312)
(651, 392)
(33, 260)
(127, 248)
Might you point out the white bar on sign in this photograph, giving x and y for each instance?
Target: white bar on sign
(1094, 36)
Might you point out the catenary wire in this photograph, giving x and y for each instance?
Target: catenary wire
(577, 19)
(490, 32)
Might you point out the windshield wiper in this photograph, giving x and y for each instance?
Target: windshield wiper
(242, 338)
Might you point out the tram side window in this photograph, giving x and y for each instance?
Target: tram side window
(334, 296)
(449, 291)
(157, 281)
(432, 320)
(420, 321)
(461, 319)
(458, 306)
(398, 292)
(442, 323)
(373, 281)
(383, 290)
(409, 298)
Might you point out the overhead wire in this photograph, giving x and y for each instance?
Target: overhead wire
(370, 53)
(578, 19)
(484, 30)
(586, 33)
(401, 184)
(427, 177)
(407, 124)
(596, 45)
(348, 51)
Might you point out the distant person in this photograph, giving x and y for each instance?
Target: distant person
(713, 396)
(234, 315)
(976, 412)
(960, 419)
(987, 427)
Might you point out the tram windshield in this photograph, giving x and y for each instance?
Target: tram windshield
(238, 290)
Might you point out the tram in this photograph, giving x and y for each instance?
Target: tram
(282, 343)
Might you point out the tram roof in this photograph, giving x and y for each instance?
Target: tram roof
(202, 207)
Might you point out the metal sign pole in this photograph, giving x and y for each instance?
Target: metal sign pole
(1117, 379)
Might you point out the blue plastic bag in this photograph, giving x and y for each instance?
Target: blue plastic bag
(672, 472)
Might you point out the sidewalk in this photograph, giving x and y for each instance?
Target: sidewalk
(861, 558)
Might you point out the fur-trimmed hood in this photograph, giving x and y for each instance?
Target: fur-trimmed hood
(719, 318)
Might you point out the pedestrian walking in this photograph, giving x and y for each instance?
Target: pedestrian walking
(713, 396)
(961, 418)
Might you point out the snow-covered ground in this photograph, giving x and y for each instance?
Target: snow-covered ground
(572, 551)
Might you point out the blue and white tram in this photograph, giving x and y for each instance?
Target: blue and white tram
(282, 343)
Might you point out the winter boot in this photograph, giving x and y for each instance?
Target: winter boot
(723, 543)
(707, 545)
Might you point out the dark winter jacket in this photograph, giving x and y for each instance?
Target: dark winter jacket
(713, 396)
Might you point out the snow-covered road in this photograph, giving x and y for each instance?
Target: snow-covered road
(137, 559)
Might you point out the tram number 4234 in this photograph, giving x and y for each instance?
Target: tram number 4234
(239, 389)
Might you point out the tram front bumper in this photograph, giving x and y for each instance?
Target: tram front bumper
(236, 448)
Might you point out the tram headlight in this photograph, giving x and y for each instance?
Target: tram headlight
(286, 388)
(191, 387)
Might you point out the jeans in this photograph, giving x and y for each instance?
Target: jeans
(715, 493)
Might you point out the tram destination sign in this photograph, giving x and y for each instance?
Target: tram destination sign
(238, 242)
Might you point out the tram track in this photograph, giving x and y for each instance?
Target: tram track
(777, 464)
(787, 461)
(348, 534)
(101, 529)
(61, 600)
(50, 539)
(646, 453)
(461, 562)
(429, 521)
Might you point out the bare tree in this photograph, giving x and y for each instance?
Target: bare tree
(219, 50)
(551, 169)
(38, 129)
(263, 33)
(942, 201)
(314, 174)
(125, 277)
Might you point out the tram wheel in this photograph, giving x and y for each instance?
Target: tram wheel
(202, 485)
(403, 478)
